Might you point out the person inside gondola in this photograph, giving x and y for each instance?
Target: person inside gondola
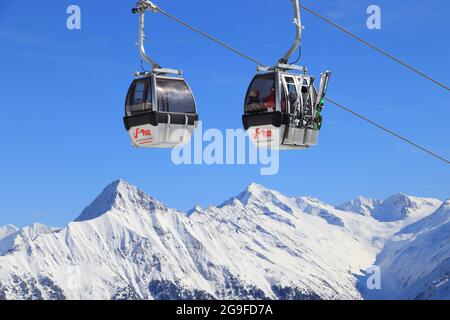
(269, 101)
(253, 97)
(254, 101)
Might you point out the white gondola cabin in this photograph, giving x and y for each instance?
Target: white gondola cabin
(283, 110)
(160, 111)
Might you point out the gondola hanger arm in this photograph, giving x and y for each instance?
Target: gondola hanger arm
(298, 36)
(141, 8)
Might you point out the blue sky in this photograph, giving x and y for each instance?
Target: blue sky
(62, 95)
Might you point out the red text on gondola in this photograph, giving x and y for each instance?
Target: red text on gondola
(142, 132)
(262, 133)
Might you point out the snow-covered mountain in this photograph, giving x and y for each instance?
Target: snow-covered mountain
(7, 230)
(260, 244)
(395, 208)
(19, 238)
(415, 263)
(360, 205)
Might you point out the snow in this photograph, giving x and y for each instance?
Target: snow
(395, 208)
(15, 238)
(7, 230)
(260, 244)
(415, 263)
(197, 209)
(119, 195)
(360, 205)
(5, 233)
(401, 206)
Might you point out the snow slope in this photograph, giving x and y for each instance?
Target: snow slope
(415, 263)
(260, 244)
(16, 238)
(7, 230)
(360, 205)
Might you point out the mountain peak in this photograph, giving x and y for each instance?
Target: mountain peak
(396, 207)
(253, 191)
(119, 195)
(361, 205)
(120, 186)
(255, 187)
(400, 206)
(400, 196)
(35, 230)
(194, 210)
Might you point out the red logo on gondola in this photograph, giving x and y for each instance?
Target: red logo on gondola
(262, 133)
(142, 132)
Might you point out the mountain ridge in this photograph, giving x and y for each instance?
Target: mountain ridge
(118, 194)
(398, 206)
(260, 244)
(428, 272)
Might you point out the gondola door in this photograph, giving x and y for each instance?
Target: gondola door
(291, 103)
(294, 133)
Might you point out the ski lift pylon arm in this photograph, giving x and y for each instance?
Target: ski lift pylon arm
(299, 30)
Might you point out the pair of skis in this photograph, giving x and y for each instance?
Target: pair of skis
(315, 114)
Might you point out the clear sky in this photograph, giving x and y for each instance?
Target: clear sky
(62, 94)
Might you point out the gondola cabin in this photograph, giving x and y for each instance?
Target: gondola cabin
(160, 111)
(283, 110)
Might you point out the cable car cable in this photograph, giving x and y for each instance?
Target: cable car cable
(370, 45)
(223, 44)
(398, 136)
(434, 154)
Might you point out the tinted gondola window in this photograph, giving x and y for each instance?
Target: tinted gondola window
(139, 97)
(174, 96)
(139, 93)
(261, 96)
